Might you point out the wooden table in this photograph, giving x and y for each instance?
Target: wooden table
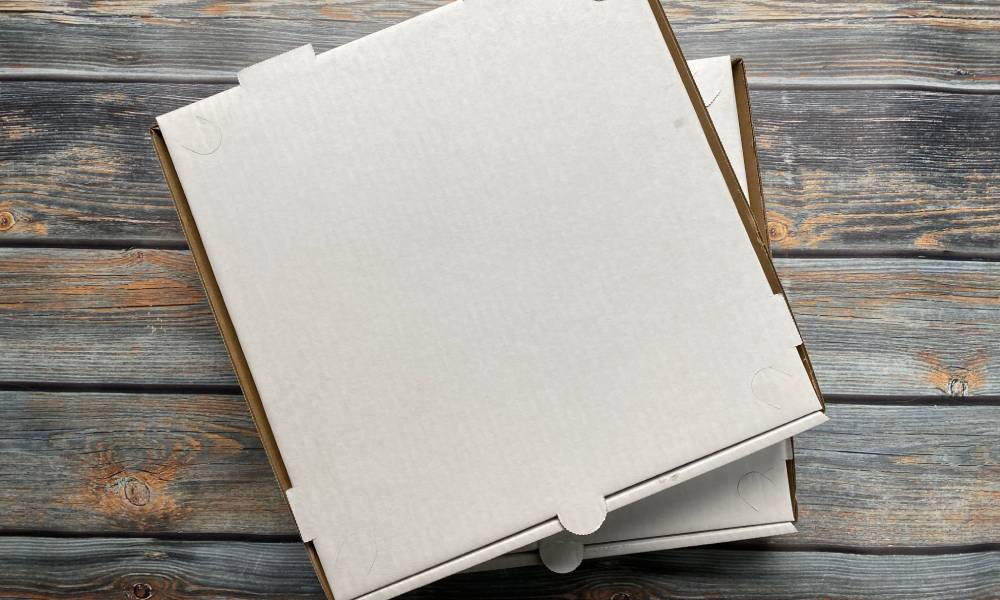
(129, 467)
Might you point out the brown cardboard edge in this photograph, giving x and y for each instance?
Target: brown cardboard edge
(228, 331)
(755, 187)
(792, 487)
(739, 200)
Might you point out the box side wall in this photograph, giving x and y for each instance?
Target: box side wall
(228, 332)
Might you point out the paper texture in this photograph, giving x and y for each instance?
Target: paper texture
(454, 262)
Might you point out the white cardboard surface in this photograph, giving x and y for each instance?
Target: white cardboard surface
(747, 498)
(454, 263)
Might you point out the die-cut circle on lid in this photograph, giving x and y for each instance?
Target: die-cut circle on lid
(754, 488)
(207, 137)
(561, 556)
(356, 556)
(583, 517)
(770, 385)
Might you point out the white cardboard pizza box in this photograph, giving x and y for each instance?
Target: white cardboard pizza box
(448, 265)
(748, 498)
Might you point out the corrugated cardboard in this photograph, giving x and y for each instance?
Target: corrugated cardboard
(446, 263)
(751, 497)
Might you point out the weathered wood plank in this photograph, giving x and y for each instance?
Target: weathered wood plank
(153, 464)
(864, 171)
(871, 42)
(898, 327)
(899, 476)
(146, 568)
(131, 569)
(135, 463)
(136, 316)
(844, 170)
(76, 162)
(373, 10)
(873, 327)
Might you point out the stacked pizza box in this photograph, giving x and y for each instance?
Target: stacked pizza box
(496, 289)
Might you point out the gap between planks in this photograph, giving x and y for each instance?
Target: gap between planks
(225, 77)
(761, 545)
(70, 387)
(804, 253)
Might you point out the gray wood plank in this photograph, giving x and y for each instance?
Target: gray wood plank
(164, 464)
(95, 316)
(135, 463)
(892, 476)
(102, 568)
(870, 42)
(882, 327)
(131, 569)
(844, 170)
(390, 10)
(880, 171)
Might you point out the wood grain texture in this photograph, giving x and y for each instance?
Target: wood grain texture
(137, 316)
(884, 476)
(135, 463)
(166, 464)
(116, 568)
(880, 171)
(911, 42)
(844, 170)
(390, 11)
(873, 327)
(877, 327)
(132, 569)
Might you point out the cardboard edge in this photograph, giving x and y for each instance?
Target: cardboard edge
(714, 460)
(792, 484)
(748, 137)
(229, 337)
(686, 540)
(653, 544)
(552, 526)
(729, 175)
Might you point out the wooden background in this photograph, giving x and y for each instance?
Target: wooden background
(129, 467)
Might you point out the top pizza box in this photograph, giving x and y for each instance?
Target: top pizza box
(484, 276)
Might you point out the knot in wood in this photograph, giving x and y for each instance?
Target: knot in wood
(6, 220)
(776, 231)
(958, 387)
(136, 491)
(142, 591)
